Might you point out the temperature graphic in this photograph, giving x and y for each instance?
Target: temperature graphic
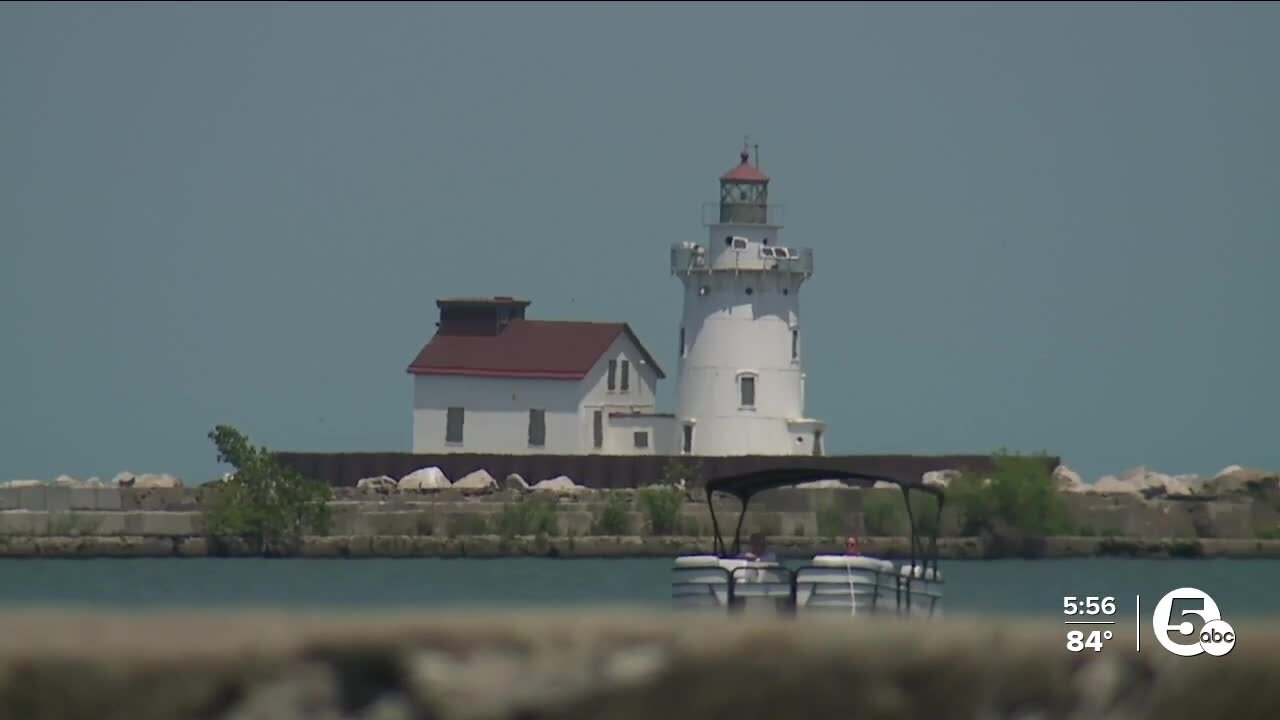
(1088, 610)
(1078, 640)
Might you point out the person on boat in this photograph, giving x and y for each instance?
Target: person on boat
(851, 546)
(759, 549)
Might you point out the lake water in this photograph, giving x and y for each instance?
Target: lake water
(1002, 587)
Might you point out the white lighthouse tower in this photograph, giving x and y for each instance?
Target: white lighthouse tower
(741, 377)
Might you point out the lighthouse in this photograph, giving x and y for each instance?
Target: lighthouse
(741, 381)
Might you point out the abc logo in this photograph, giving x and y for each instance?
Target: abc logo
(1216, 636)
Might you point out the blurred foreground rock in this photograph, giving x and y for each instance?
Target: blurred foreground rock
(614, 666)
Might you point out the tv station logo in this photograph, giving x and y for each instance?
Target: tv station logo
(1216, 636)
(1169, 622)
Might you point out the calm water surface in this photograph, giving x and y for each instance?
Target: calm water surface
(1241, 587)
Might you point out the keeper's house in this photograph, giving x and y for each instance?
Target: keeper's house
(490, 381)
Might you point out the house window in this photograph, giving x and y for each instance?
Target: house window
(626, 376)
(597, 429)
(613, 375)
(642, 439)
(747, 391)
(688, 439)
(453, 426)
(537, 428)
(795, 344)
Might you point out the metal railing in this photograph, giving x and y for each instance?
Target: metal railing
(694, 259)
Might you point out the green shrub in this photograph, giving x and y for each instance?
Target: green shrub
(690, 471)
(1021, 496)
(924, 513)
(880, 514)
(471, 523)
(1271, 533)
(831, 521)
(662, 507)
(265, 504)
(529, 516)
(612, 515)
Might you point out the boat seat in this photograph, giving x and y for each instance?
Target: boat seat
(852, 562)
(920, 573)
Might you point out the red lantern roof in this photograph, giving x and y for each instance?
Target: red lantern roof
(745, 172)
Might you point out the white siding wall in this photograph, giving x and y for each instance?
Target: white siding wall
(596, 395)
(620, 435)
(496, 413)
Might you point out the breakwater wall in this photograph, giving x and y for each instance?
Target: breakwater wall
(584, 665)
(617, 546)
(612, 471)
(818, 512)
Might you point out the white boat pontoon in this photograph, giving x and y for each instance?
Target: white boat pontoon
(848, 584)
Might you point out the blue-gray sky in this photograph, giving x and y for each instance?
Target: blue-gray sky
(1037, 226)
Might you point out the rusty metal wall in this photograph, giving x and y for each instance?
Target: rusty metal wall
(609, 471)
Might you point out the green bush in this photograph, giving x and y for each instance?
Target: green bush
(831, 522)
(470, 523)
(662, 507)
(612, 515)
(265, 504)
(880, 514)
(529, 516)
(690, 471)
(1021, 496)
(924, 513)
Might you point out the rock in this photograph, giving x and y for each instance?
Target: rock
(430, 478)
(879, 485)
(515, 482)
(940, 478)
(156, 480)
(821, 485)
(1068, 480)
(21, 483)
(66, 481)
(1112, 485)
(123, 479)
(1236, 480)
(478, 480)
(380, 484)
(558, 484)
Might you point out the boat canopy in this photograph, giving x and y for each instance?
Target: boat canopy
(746, 485)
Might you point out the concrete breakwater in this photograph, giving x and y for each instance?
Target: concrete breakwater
(613, 546)
(486, 522)
(816, 512)
(582, 665)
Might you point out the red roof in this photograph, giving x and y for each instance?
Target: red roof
(745, 172)
(546, 349)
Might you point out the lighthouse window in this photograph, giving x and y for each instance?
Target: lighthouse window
(795, 344)
(683, 351)
(749, 291)
(747, 391)
(688, 440)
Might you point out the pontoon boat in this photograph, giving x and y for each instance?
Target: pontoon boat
(849, 584)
